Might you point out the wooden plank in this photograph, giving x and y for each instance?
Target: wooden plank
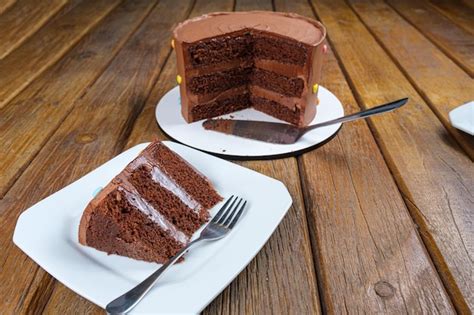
(433, 175)
(49, 44)
(92, 134)
(370, 254)
(457, 11)
(249, 5)
(469, 3)
(51, 96)
(23, 20)
(5, 5)
(422, 62)
(454, 41)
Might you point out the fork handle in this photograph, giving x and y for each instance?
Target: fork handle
(129, 300)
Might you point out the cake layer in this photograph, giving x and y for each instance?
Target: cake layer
(219, 81)
(277, 110)
(168, 198)
(220, 49)
(221, 106)
(117, 226)
(189, 179)
(224, 80)
(277, 82)
(242, 100)
(243, 45)
(287, 101)
(269, 47)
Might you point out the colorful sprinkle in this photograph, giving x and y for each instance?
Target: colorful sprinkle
(179, 79)
(325, 49)
(315, 88)
(172, 43)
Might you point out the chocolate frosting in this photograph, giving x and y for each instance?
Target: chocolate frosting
(288, 25)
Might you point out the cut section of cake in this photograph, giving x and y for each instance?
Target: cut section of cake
(151, 209)
(228, 61)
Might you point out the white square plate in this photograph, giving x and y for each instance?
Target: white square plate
(47, 232)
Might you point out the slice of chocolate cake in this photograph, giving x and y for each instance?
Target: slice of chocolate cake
(151, 209)
(229, 61)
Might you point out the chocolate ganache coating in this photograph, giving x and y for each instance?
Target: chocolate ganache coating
(289, 25)
(293, 63)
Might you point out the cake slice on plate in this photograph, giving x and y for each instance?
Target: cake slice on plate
(151, 209)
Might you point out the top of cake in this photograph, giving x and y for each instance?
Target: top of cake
(288, 25)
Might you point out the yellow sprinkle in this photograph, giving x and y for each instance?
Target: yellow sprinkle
(172, 43)
(315, 88)
(179, 79)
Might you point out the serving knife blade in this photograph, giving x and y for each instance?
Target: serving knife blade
(281, 133)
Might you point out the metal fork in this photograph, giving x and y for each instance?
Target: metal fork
(219, 227)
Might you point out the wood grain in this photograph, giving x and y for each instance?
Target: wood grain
(23, 20)
(89, 136)
(422, 62)
(454, 41)
(457, 11)
(5, 5)
(433, 175)
(249, 5)
(371, 259)
(33, 57)
(42, 106)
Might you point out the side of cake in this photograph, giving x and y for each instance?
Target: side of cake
(151, 209)
(266, 60)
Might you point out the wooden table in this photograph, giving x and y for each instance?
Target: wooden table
(383, 215)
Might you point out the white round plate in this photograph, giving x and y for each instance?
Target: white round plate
(169, 118)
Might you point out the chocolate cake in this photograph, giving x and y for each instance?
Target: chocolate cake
(151, 209)
(229, 61)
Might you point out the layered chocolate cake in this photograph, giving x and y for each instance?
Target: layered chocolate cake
(151, 209)
(229, 61)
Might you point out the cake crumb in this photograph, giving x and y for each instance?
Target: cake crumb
(231, 116)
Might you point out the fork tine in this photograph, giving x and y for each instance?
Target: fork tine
(221, 210)
(229, 210)
(237, 216)
(231, 215)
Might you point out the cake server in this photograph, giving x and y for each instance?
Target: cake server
(220, 225)
(281, 133)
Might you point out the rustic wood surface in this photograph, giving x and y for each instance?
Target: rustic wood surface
(452, 39)
(23, 20)
(382, 219)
